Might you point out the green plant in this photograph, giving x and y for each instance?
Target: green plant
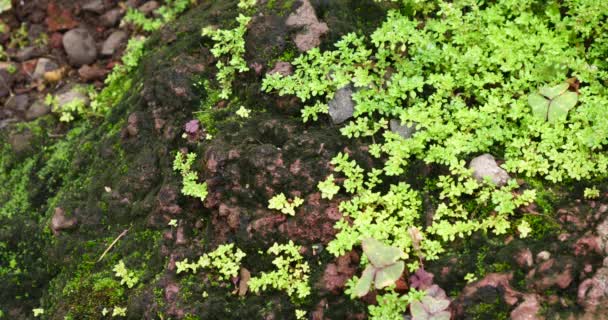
(38, 312)
(119, 312)
(183, 164)
(384, 268)
(243, 112)
(328, 188)
(280, 202)
(553, 103)
(291, 274)
(432, 306)
(5, 5)
(228, 48)
(167, 13)
(591, 193)
(126, 277)
(226, 260)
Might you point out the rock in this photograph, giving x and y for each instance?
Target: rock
(80, 47)
(20, 142)
(18, 102)
(113, 42)
(58, 19)
(528, 309)
(90, 73)
(56, 40)
(96, 6)
(305, 18)
(282, 68)
(523, 258)
(132, 127)
(42, 66)
(403, 130)
(593, 292)
(60, 222)
(148, 7)
(111, 18)
(342, 106)
(485, 166)
(76, 93)
(6, 82)
(37, 110)
(543, 256)
(28, 53)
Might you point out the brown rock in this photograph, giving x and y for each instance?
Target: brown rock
(282, 68)
(528, 309)
(306, 18)
(91, 73)
(60, 222)
(59, 19)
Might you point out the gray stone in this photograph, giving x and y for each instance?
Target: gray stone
(18, 102)
(76, 93)
(114, 41)
(342, 106)
(37, 110)
(59, 221)
(485, 166)
(80, 47)
(6, 82)
(96, 6)
(43, 65)
(111, 18)
(148, 7)
(28, 53)
(282, 68)
(403, 130)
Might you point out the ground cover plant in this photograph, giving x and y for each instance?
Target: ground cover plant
(210, 179)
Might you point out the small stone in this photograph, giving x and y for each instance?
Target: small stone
(96, 6)
(485, 166)
(528, 309)
(6, 82)
(524, 258)
(80, 47)
(543, 256)
(403, 130)
(342, 106)
(282, 68)
(90, 73)
(42, 66)
(28, 53)
(18, 102)
(37, 110)
(111, 18)
(113, 43)
(76, 93)
(148, 7)
(60, 222)
(132, 127)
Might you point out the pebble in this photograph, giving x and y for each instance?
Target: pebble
(111, 18)
(148, 7)
(342, 106)
(43, 65)
(96, 6)
(80, 47)
(485, 166)
(113, 42)
(37, 110)
(403, 130)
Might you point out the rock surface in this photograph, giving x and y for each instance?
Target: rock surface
(60, 222)
(403, 130)
(80, 47)
(44, 65)
(37, 110)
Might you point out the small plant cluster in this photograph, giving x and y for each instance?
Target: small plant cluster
(280, 202)
(226, 260)
(291, 274)
(183, 164)
(126, 277)
(471, 81)
(67, 111)
(229, 49)
(167, 13)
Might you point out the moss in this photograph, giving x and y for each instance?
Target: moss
(496, 310)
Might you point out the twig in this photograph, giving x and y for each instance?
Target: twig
(113, 243)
